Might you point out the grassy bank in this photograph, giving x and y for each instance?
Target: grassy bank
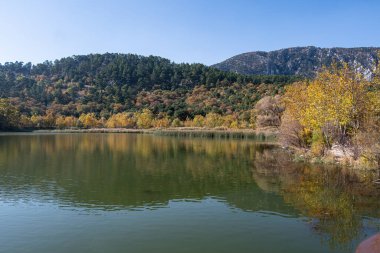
(218, 133)
(264, 135)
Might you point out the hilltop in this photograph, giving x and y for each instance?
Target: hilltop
(304, 61)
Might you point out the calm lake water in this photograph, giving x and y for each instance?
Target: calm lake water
(143, 193)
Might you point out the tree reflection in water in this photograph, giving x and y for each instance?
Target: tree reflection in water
(340, 203)
(127, 171)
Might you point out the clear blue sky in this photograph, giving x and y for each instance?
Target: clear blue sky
(205, 31)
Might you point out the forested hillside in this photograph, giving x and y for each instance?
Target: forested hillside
(106, 84)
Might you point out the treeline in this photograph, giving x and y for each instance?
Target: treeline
(107, 84)
(11, 119)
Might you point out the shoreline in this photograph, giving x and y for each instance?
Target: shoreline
(265, 134)
(335, 157)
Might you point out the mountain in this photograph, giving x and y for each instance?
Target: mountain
(303, 61)
(105, 84)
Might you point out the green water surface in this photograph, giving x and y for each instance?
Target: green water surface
(144, 193)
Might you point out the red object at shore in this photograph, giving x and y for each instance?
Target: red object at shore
(371, 245)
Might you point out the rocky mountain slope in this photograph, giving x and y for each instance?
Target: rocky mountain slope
(304, 61)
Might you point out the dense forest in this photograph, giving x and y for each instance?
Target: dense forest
(97, 87)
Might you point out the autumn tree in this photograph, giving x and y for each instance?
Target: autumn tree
(60, 122)
(144, 119)
(66, 122)
(213, 120)
(292, 131)
(37, 121)
(337, 103)
(230, 121)
(198, 121)
(163, 122)
(367, 141)
(268, 112)
(88, 120)
(71, 121)
(121, 120)
(46, 121)
(9, 115)
(176, 123)
(25, 122)
(333, 108)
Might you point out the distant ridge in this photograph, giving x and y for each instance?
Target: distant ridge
(304, 61)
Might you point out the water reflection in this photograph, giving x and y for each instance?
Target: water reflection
(337, 201)
(126, 171)
(123, 170)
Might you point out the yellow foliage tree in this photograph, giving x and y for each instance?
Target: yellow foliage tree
(338, 97)
(161, 123)
(88, 120)
(36, 120)
(60, 122)
(71, 121)
(144, 119)
(46, 121)
(121, 120)
(66, 122)
(230, 121)
(49, 120)
(336, 104)
(295, 100)
(9, 115)
(198, 121)
(213, 120)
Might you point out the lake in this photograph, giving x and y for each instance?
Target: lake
(147, 193)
